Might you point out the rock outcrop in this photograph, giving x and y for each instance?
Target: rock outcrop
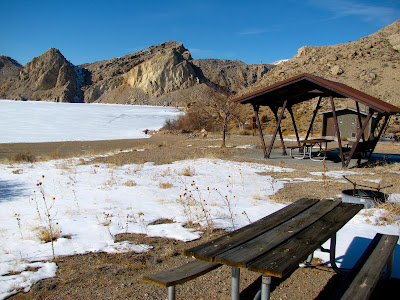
(47, 77)
(371, 64)
(142, 77)
(232, 74)
(9, 68)
(163, 74)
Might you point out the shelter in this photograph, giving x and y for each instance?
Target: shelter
(283, 95)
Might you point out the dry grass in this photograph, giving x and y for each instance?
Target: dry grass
(24, 156)
(165, 185)
(188, 171)
(129, 183)
(46, 235)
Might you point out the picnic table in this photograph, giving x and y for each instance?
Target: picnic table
(307, 147)
(276, 244)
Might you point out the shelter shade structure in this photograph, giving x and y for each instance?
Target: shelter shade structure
(304, 87)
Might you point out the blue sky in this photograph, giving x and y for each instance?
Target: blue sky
(251, 31)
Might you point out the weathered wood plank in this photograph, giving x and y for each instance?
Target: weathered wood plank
(288, 255)
(365, 275)
(181, 274)
(239, 257)
(209, 250)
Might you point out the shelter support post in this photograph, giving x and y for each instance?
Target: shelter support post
(294, 124)
(337, 131)
(278, 128)
(360, 120)
(313, 118)
(358, 137)
(256, 109)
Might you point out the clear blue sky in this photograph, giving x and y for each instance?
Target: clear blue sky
(251, 31)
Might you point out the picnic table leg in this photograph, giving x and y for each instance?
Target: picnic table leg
(235, 284)
(332, 252)
(171, 292)
(265, 287)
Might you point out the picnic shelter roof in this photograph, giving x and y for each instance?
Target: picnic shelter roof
(305, 86)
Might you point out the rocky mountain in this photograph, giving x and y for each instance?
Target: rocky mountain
(164, 74)
(234, 75)
(370, 64)
(47, 77)
(9, 68)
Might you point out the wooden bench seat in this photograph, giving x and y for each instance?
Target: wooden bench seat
(362, 149)
(364, 276)
(328, 150)
(180, 275)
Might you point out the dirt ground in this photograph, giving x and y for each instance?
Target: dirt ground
(119, 276)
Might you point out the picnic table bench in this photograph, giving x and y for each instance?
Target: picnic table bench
(360, 282)
(272, 246)
(180, 275)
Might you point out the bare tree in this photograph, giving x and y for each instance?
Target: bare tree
(221, 109)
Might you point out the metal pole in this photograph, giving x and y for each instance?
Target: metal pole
(332, 254)
(235, 284)
(265, 287)
(171, 292)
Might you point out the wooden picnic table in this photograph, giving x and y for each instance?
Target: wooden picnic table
(276, 244)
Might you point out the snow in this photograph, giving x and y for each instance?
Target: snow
(36, 121)
(88, 204)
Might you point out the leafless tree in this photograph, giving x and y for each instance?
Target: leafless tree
(221, 109)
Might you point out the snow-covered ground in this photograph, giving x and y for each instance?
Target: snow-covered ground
(88, 204)
(37, 121)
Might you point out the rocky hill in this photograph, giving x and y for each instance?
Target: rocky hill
(47, 77)
(370, 64)
(234, 75)
(9, 68)
(164, 74)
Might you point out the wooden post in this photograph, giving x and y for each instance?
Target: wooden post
(359, 133)
(278, 128)
(360, 119)
(256, 109)
(294, 125)
(313, 118)
(337, 131)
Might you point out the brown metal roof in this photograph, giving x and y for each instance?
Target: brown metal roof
(305, 86)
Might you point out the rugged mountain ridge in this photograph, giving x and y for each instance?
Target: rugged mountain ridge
(370, 64)
(47, 77)
(164, 74)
